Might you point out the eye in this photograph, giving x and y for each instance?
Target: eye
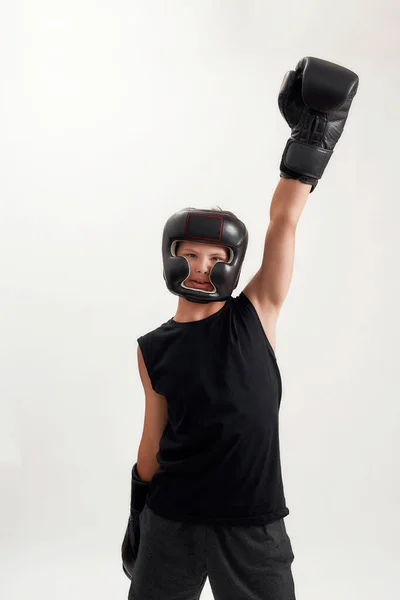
(216, 258)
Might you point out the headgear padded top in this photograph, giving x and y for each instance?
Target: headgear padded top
(208, 227)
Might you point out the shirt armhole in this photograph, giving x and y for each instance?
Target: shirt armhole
(146, 359)
(247, 303)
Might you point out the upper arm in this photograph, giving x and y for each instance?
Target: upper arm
(270, 285)
(156, 409)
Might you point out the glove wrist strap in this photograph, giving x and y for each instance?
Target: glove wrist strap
(304, 162)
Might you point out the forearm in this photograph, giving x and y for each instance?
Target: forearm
(147, 464)
(289, 200)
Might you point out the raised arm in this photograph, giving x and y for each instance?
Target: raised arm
(268, 288)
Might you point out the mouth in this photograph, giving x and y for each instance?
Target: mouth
(204, 285)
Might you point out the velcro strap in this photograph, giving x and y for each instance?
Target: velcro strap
(305, 159)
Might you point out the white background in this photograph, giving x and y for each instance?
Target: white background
(113, 116)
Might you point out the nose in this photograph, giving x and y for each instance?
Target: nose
(203, 266)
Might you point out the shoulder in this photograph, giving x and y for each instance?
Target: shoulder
(154, 334)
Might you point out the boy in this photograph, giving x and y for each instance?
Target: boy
(207, 491)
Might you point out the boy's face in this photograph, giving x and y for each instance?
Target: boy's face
(201, 259)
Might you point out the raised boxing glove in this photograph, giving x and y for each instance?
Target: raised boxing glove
(315, 100)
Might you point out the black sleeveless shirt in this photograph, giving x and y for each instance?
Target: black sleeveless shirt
(219, 453)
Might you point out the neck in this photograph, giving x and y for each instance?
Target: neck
(193, 311)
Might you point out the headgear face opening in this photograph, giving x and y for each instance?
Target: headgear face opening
(207, 227)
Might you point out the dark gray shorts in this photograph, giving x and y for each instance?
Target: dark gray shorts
(242, 562)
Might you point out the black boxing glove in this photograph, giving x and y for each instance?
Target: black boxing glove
(315, 100)
(130, 544)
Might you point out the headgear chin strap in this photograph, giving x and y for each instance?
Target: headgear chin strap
(208, 227)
